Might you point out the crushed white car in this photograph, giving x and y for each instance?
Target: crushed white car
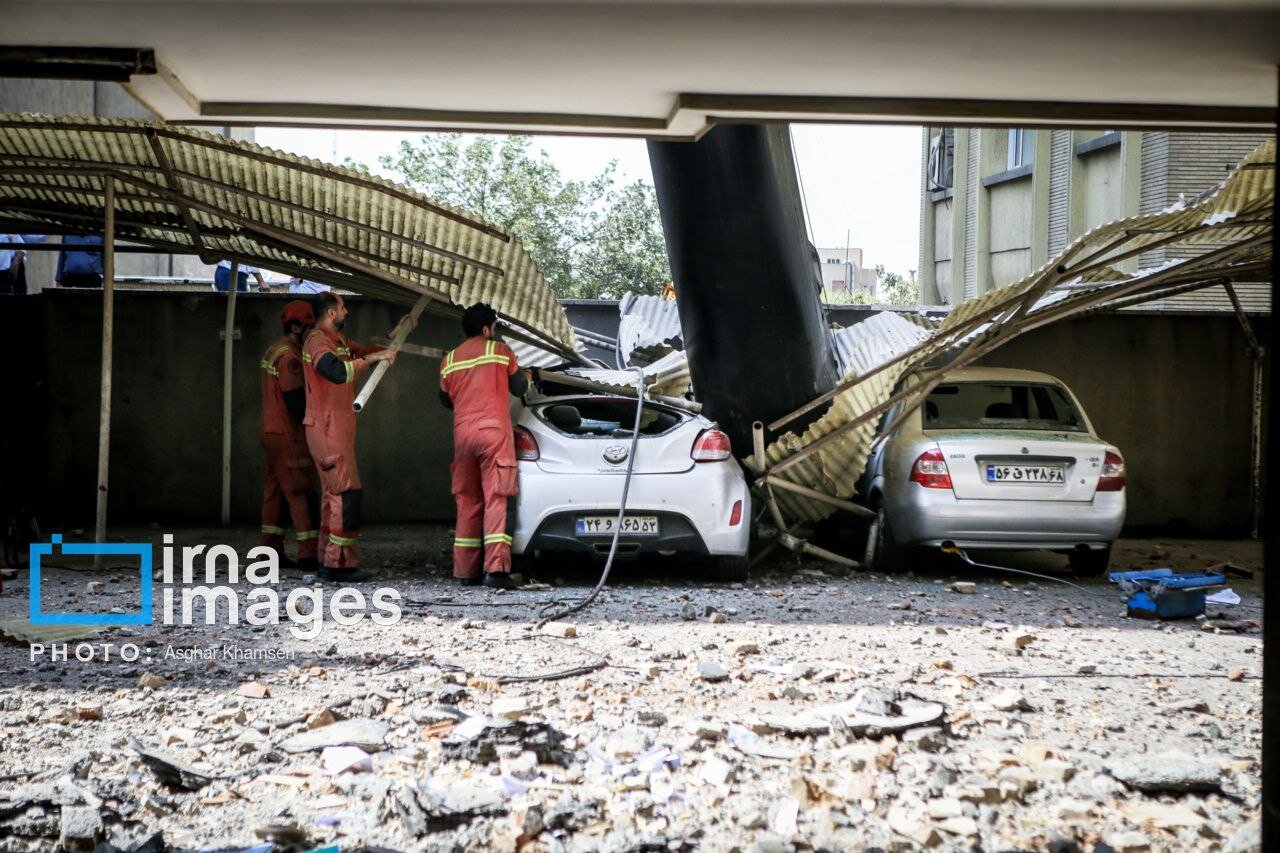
(687, 495)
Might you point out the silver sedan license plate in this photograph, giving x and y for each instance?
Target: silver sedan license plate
(1026, 474)
(632, 525)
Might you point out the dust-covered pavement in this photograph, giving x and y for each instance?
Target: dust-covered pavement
(708, 728)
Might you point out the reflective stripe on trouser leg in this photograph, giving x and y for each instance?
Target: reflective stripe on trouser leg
(272, 505)
(344, 530)
(497, 538)
(468, 534)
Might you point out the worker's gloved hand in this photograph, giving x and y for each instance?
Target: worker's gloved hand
(383, 355)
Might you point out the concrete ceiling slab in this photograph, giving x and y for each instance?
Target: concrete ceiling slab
(666, 69)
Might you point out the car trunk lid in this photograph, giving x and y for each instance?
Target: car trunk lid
(1021, 465)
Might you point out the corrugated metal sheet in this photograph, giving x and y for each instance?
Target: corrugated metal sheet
(263, 206)
(875, 340)
(668, 376)
(647, 322)
(1241, 206)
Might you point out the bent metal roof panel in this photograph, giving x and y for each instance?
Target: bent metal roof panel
(1225, 233)
(180, 189)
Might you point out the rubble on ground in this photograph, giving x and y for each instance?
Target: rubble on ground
(817, 716)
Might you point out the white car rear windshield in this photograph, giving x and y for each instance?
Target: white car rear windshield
(606, 417)
(1001, 405)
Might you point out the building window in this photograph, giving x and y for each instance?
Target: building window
(942, 149)
(1020, 151)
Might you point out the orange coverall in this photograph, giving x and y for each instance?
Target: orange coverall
(475, 377)
(330, 425)
(290, 489)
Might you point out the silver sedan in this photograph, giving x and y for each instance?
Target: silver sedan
(995, 458)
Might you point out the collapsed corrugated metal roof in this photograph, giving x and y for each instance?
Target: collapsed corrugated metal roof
(1227, 231)
(667, 377)
(874, 341)
(647, 326)
(183, 190)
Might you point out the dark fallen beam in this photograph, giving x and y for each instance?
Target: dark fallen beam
(746, 281)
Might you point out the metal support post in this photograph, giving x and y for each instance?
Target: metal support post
(108, 327)
(227, 352)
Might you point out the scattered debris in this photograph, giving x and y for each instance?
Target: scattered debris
(253, 690)
(346, 759)
(712, 671)
(150, 680)
(176, 775)
(1171, 770)
(369, 735)
(478, 740)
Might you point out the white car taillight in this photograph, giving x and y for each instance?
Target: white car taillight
(930, 470)
(1113, 477)
(526, 445)
(711, 446)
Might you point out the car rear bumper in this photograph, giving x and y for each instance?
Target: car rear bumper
(693, 510)
(931, 517)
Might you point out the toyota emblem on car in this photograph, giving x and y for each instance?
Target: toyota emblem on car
(615, 454)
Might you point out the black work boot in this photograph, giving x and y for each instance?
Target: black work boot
(475, 581)
(343, 575)
(500, 580)
(308, 565)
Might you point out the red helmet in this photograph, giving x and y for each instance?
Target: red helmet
(298, 311)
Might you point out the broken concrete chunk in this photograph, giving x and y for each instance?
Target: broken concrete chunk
(366, 734)
(711, 671)
(1011, 700)
(253, 690)
(320, 719)
(563, 630)
(963, 587)
(510, 707)
(150, 679)
(716, 771)
(870, 713)
(88, 711)
(1173, 771)
(81, 828)
(346, 759)
(95, 587)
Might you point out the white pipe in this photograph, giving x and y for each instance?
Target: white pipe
(108, 327)
(226, 391)
(397, 340)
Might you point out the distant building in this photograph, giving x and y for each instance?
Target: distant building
(844, 272)
(997, 204)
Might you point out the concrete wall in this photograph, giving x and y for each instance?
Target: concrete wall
(167, 410)
(1010, 232)
(1171, 391)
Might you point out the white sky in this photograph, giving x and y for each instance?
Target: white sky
(859, 180)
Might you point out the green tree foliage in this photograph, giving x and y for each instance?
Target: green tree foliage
(589, 238)
(896, 289)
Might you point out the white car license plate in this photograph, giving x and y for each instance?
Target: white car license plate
(1026, 474)
(632, 525)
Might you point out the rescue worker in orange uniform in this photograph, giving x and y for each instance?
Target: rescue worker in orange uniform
(290, 489)
(475, 379)
(331, 364)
